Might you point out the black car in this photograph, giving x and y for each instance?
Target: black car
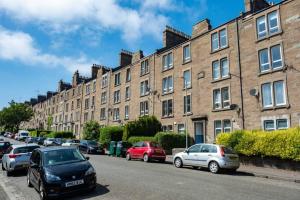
(4, 146)
(40, 140)
(90, 146)
(57, 171)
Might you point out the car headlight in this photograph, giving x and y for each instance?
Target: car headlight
(51, 177)
(90, 171)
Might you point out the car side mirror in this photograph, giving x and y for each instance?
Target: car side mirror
(186, 151)
(87, 158)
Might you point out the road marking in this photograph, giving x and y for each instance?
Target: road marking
(8, 188)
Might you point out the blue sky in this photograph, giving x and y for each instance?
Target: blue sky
(42, 42)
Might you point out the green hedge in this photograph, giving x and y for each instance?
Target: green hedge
(136, 139)
(60, 134)
(91, 130)
(33, 133)
(145, 126)
(170, 140)
(284, 144)
(110, 133)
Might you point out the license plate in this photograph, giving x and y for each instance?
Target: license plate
(73, 183)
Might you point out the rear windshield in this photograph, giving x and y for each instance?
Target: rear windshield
(154, 144)
(228, 150)
(3, 144)
(50, 139)
(62, 156)
(24, 134)
(25, 149)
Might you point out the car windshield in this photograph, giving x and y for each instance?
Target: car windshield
(92, 143)
(62, 156)
(25, 149)
(24, 134)
(50, 139)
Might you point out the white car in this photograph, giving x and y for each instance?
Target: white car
(22, 135)
(71, 142)
(211, 156)
(18, 158)
(49, 142)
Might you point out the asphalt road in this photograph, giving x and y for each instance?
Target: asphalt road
(119, 179)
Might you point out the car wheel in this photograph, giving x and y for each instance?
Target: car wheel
(146, 158)
(178, 162)
(128, 157)
(214, 167)
(195, 167)
(3, 169)
(8, 173)
(43, 195)
(28, 180)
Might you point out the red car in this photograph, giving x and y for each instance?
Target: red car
(146, 151)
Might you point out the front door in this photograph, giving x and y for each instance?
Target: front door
(199, 131)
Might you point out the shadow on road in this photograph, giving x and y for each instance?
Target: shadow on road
(100, 190)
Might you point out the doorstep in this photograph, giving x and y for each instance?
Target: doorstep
(263, 172)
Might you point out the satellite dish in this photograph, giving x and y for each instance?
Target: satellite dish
(254, 92)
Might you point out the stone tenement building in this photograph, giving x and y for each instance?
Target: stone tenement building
(244, 74)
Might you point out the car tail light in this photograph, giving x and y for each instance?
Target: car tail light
(13, 155)
(222, 151)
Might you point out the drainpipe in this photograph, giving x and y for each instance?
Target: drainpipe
(240, 70)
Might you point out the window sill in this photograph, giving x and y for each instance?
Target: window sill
(117, 85)
(144, 74)
(144, 95)
(103, 103)
(167, 93)
(221, 79)
(127, 99)
(220, 110)
(167, 117)
(126, 119)
(116, 120)
(102, 119)
(271, 71)
(220, 49)
(115, 103)
(186, 61)
(280, 32)
(187, 114)
(187, 88)
(165, 70)
(276, 108)
(128, 81)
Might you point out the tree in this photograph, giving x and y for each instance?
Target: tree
(12, 116)
(91, 130)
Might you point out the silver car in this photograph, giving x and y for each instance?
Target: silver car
(17, 158)
(211, 156)
(49, 142)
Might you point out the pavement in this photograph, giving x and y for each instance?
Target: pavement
(263, 172)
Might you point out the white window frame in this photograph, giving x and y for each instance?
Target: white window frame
(165, 61)
(116, 114)
(128, 75)
(117, 96)
(144, 67)
(220, 99)
(103, 97)
(186, 59)
(102, 114)
(187, 84)
(117, 79)
(218, 39)
(273, 94)
(189, 105)
(169, 85)
(144, 88)
(127, 93)
(104, 81)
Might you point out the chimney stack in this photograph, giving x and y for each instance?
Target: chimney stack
(137, 56)
(125, 58)
(95, 69)
(201, 27)
(172, 37)
(252, 6)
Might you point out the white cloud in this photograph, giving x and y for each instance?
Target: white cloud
(62, 15)
(19, 46)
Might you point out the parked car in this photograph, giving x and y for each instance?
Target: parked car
(4, 146)
(71, 142)
(40, 140)
(58, 141)
(211, 156)
(90, 146)
(1, 139)
(56, 171)
(31, 140)
(17, 158)
(146, 151)
(124, 147)
(49, 142)
(6, 134)
(22, 135)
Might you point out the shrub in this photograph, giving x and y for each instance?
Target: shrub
(135, 139)
(110, 133)
(91, 130)
(284, 144)
(60, 134)
(170, 140)
(33, 133)
(145, 126)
